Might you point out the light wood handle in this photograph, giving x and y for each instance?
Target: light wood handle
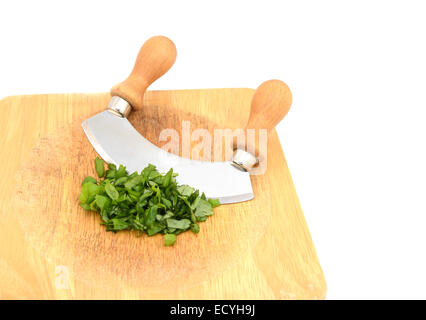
(154, 59)
(270, 104)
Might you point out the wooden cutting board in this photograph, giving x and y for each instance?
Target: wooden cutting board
(50, 248)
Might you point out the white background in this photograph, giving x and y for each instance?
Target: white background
(354, 139)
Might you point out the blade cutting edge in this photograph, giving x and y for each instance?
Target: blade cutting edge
(118, 142)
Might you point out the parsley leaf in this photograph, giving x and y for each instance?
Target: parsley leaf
(169, 239)
(111, 191)
(178, 224)
(100, 169)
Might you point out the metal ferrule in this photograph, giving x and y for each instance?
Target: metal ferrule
(244, 160)
(119, 107)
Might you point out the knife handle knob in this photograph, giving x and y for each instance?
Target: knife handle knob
(154, 59)
(270, 104)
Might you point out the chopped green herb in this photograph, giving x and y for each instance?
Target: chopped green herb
(203, 209)
(102, 201)
(169, 239)
(178, 224)
(214, 203)
(100, 169)
(111, 191)
(149, 202)
(89, 179)
(195, 228)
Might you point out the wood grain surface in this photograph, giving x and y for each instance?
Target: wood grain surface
(50, 248)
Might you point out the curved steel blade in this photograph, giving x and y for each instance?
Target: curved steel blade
(118, 142)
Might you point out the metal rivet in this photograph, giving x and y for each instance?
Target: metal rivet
(119, 107)
(244, 160)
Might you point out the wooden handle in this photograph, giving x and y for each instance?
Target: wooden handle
(154, 59)
(270, 104)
